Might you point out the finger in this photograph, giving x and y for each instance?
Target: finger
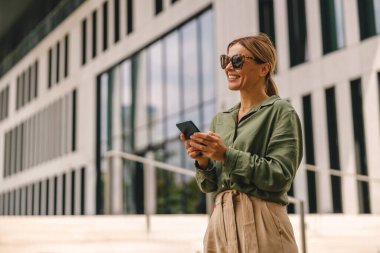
(205, 136)
(210, 140)
(182, 136)
(198, 146)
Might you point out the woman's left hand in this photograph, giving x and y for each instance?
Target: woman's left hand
(210, 144)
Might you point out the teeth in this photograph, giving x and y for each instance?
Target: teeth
(233, 76)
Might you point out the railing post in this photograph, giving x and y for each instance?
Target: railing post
(108, 186)
(303, 227)
(149, 189)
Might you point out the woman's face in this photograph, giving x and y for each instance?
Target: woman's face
(249, 76)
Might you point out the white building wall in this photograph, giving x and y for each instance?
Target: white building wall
(231, 20)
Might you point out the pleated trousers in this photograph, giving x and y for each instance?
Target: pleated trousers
(246, 224)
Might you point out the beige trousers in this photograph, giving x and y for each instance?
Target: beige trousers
(246, 224)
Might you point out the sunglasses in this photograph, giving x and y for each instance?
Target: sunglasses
(236, 60)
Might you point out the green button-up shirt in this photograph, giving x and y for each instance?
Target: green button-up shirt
(264, 151)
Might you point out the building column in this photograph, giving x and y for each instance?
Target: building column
(324, 195)
(371, 119)
(351, 22)
(117, 144)
(150, 188)
(300, 182)
(314, 29)
(281, 30)
(346, 147)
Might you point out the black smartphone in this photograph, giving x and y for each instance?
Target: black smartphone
(188, 128)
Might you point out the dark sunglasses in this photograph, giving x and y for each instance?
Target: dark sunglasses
(236, 60)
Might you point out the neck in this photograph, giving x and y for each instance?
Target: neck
(249, 100)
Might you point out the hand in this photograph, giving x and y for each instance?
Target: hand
(210, 144)
(194, 153)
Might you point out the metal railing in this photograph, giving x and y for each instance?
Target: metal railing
(168, 167)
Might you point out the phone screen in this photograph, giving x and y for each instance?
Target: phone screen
(188, 128)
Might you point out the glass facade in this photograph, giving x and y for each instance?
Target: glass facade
(332, 25)
(333, 138)
(169, 81)
(297, 32)
(360, 145)
(311, 176)
(369, 18)
(266, 17)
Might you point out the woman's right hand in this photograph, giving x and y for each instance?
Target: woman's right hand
(194, 153)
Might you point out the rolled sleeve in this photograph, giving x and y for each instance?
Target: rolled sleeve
(206, 178)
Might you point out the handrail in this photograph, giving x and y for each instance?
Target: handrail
(157, 164)
(339, 173)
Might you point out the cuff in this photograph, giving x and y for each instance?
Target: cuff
(230, 158)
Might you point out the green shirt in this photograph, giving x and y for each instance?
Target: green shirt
(264, 151)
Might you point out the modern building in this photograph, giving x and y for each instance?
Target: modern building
(102, 75)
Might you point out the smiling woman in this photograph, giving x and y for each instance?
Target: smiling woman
(250, 156)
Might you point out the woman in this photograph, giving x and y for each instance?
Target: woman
(249, 157)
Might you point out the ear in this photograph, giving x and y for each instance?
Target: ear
(264, 69)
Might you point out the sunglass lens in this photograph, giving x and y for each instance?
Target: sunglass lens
(224, 61)
(237, 61)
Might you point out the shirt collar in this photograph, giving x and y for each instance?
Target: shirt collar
(267, 102)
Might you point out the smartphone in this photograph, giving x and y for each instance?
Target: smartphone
(188, 128)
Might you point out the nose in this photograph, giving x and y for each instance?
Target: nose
(229, 66)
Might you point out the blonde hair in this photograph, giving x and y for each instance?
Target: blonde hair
(261, 47)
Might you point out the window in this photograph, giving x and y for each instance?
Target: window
(297, 32)
(309, 148)
(72, 192)
(84, 41)
(55, 194)
(50, 62)
(369, 18)
(129, 16)
(360, 148)
(82, 190)
(266, 14)
(333, 139)
(47, 188)
(332, 25)
(74, 121)
(4, 99)
(39, 198)
(35, 79)
(105, 26)
(66, 59)
(64, 194)
(117, 20)
(159, 6)
(159, 83)
(57, 58)
(94, 33)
